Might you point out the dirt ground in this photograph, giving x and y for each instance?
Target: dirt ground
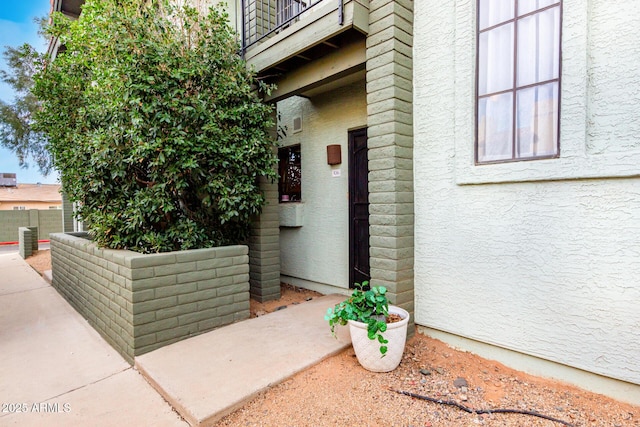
(340, 392)
(40, 261)
(289, 295)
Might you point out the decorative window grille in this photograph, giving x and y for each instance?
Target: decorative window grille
(290, 170)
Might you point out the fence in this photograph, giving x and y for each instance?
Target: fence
(263, 18)
(47, 221)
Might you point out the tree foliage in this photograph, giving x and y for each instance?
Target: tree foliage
(155, 125)
(16, 118)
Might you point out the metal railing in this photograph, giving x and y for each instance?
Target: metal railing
(263, 18)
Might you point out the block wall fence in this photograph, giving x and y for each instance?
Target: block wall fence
(141, 302)
(46, 220)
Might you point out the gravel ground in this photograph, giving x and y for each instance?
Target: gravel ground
(40, 260)
(338, 392)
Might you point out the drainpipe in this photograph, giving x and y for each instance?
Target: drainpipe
(341, 12)
(243, 35)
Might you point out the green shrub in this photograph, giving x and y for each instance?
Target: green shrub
(369, 306)
(155, 125)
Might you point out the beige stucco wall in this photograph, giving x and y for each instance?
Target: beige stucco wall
(539, 257)
(8, 206)
(316, 255)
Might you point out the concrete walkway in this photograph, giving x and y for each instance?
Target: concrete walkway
(210, 375)
(58, 371)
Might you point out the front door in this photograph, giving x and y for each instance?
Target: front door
(358, 208)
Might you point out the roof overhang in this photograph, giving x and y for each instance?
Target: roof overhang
(324, 49)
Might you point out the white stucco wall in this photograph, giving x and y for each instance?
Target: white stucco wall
(316, 255)
(541, 257)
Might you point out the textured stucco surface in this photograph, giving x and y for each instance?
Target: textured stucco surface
(547, 267)
(318, 250)
(614, 77)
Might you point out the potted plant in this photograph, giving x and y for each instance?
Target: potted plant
(378, 330)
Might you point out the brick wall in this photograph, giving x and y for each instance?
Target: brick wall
(10, 222)
(390, 142)
(264, 242)
(47, 220)
(28, 241)
(139, 302)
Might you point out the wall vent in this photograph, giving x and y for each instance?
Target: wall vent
(297, 124)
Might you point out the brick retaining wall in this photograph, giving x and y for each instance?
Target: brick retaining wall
(141, 302)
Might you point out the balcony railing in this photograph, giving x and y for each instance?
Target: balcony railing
(263, 18)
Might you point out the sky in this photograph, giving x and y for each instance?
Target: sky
(16, 28)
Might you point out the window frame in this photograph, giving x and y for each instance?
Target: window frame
(515, 89)
(292, 197)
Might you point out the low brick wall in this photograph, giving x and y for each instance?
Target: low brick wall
(28, 241)
(141, 302)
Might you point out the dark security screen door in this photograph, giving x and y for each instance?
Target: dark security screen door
(358, 208)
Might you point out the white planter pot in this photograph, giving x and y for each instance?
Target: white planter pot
(368, 351)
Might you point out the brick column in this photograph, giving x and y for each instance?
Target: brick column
(390, 140)
(264, 248)
(34, 221)
(264, 242)
(67, 214)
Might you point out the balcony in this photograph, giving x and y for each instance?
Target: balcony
(301, 45)
(70, 8)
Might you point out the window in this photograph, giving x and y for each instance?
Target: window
(290, 171)
(288, 9)
(518, 82)
(19, 208)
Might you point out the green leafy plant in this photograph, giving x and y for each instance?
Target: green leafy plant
(155, 125)
(367, 306)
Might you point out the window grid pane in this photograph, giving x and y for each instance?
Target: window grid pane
(495, 127)
(493, 12)
(537, 121)
(496, 59)
(538, 47)
(527, 6)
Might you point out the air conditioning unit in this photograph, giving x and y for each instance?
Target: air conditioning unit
(8, 180)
